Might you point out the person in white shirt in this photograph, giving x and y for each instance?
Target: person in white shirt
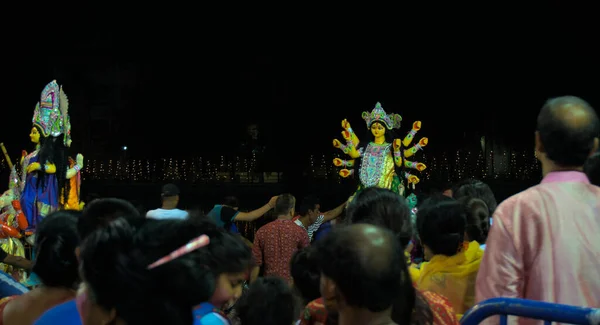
(170, 200)
(310, 217)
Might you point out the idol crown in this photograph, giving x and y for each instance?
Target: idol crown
(51, 114)
(391, 121)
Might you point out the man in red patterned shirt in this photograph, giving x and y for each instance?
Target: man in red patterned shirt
(276, 242)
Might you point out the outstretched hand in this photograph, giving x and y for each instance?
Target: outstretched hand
(79, 160)
(346, 124)
(397, 144)
(272, 201)
(33, 167)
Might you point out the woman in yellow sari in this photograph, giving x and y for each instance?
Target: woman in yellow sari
(452, 264)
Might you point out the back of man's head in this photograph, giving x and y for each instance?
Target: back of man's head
(101, 212)
(308, 203)
(169, 191)
(567, 128)
(366, 263)
(231, 201)
(285, 204)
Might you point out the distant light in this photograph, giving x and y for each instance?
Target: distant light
(124, 148)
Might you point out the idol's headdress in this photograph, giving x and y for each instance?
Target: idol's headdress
(391, 121)
(51, 114)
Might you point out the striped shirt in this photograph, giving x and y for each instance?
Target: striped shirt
(311, 228)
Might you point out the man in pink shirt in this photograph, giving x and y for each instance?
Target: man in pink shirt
(545, 242)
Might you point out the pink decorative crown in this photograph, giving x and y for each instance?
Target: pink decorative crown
(51, 114)
(391, 121)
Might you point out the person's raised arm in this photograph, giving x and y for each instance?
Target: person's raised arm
(332, 214)
(18, 261)
(253, 215)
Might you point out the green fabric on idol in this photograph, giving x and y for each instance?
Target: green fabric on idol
(397, 187)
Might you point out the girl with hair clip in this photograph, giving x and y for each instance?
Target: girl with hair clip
(149, 275)
(230, 261)
(162, 273)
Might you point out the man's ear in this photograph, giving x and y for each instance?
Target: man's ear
(595, 146)
(77, 253)
(539, 146)
(109, 317)
(329, 289)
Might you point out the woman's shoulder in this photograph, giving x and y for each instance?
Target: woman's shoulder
(9, 310)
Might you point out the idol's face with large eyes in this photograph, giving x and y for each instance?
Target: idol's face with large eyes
(34, 135)
(377, 129)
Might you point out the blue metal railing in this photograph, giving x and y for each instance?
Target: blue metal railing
(547, 312)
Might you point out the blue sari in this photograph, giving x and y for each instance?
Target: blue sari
(38, 201)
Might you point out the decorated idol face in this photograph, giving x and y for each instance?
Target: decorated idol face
(378, 130)
(34, 135)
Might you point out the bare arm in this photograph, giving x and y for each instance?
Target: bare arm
(78, 166)
(253, 215)
(254, 274)
(18, 261)
(332, 214)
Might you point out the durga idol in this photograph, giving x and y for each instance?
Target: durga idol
(383, 159)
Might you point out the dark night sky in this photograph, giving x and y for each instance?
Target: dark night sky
(189, 95)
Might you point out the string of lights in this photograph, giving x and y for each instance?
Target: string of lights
(448, 166)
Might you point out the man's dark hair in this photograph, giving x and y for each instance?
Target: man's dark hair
(101, 212)
(308, 203)
(270, 300)
(367, 275)
(567, 127)
(231, 201)
(169, 190)
(284, 204)
(592, 168)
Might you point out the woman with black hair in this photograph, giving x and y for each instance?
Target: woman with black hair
(270, 300)
(384, 208)
(120, 284)
(230, 261)
(452, 264)
(478, 220)
(161, 273)
(56, 267)
(306, 274)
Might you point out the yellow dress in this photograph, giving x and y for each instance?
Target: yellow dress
(73, 198)
(452, 276)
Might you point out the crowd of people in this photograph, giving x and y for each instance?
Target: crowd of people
(370, 260)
